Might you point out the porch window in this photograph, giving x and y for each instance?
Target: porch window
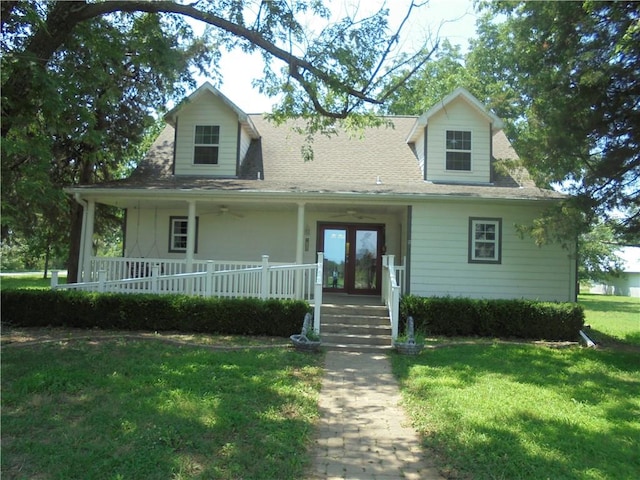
(178, 227)
(485, 240)
(206, 145)
(458, 150)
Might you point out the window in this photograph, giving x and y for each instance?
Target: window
(485, 238)
(458, 150)
(205, 150)
(178, 227)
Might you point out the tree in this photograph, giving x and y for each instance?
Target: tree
(81, 79)
(569, 73)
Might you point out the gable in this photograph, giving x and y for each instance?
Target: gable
(206, 126)
(453, 140)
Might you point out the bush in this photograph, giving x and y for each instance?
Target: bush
(61, 308)
(493, 318)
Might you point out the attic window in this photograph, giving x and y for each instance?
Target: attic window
(458, 150)
(206, 143)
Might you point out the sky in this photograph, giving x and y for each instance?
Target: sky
(452, 19)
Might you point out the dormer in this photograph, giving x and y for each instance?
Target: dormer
(452, 140)
(212, 135)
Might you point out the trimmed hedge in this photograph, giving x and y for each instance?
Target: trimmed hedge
(247, 316)
(493, 318)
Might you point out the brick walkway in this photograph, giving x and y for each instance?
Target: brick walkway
(363, 434)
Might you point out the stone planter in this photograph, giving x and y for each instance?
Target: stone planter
(407, 348)
(303, 344)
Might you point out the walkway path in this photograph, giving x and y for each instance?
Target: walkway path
(363, 434)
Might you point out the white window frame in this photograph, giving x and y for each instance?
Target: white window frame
(452, 150)
(479, 240)
(175, 235)
(207, 145)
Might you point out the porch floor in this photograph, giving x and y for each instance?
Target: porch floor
(346, 299)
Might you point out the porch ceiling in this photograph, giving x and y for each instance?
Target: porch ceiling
(332, 207)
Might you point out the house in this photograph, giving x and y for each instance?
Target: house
(221, 184)
(628, 283)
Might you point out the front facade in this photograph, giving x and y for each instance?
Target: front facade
(219, 184)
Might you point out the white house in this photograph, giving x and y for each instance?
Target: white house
(221, 184)
(628, 283)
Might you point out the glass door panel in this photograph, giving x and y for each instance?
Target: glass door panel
(366, 260)
(335, 257)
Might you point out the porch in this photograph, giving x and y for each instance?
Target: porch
(234, 279)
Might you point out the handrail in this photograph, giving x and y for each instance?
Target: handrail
(391, 292)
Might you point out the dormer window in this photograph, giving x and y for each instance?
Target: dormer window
(205, 151)
(458, 150)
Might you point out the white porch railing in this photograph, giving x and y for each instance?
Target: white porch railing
(392, 279)
(118, 268)
(210, 278)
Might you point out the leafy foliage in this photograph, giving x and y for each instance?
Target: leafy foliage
(81, 82)
(493, 318)
(570, 80)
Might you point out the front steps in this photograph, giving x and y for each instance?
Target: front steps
(357, 328)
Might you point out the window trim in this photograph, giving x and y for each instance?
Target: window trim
(172, 234)
(196, 145)
(448, 150)
(473, 221)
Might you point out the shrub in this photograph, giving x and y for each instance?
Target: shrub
(493, 318)
(247, 316)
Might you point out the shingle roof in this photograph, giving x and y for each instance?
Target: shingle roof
(378, 160)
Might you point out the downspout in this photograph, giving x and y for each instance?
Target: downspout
(83, 232)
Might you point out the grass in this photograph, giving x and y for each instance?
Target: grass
(8, 281)
(506, 411)
(122, 409)
(612, 318)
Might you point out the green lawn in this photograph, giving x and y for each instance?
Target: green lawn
(8, 281)
(612, 318)
(502, 411)
(134, 409)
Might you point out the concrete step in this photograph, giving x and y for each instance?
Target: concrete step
(330, 319)
(359, 348)
(360, 329)
(356, 339)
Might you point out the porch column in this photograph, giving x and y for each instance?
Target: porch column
(299, 251)
(300, 234)
(87, 242)
(191, 235)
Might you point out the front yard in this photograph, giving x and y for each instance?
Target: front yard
(121, 409)
(117, 405)
(530, 412)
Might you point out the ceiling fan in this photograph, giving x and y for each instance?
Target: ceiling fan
(353, 214)
(224, 210)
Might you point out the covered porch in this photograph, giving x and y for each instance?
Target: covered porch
(235, 280)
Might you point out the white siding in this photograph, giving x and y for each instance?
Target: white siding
(257, 233)
(220, 237)
(439, 256)
(245, 142)
(419, 148)
(458, 115)
(207, 110)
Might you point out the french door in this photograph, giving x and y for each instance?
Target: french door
(352, 257)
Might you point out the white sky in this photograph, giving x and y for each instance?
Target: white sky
(454, 19)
